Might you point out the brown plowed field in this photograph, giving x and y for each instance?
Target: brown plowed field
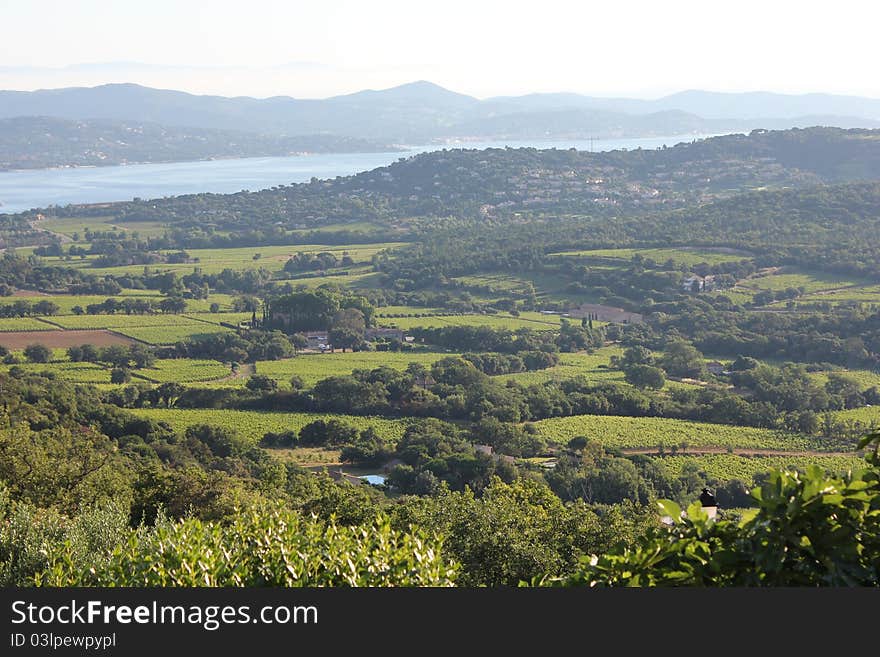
(61, 339)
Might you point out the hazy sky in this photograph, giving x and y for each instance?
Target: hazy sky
(483, 48)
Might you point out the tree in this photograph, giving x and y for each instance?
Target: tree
(683, 360)
(645, 376)
(169, 393)
(261, 383)
(235, 355)
(245, 304)
(175, 305)
(299, 341)
(345, 338)
(636, 356)
(117, 355)
(120, 375)
(90, 353)
(350, 318)
(222, 441)
(142, 356)
(38, 353)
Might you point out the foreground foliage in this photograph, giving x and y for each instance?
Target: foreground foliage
(261, 547)
(808, 530)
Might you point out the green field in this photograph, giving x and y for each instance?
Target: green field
(869, 294)
(408, 311)
(685, 256)
(124, 321)
(592, 366)
(725, 467)
(184, 370)
(354, 277)
(23, 324)
(213, 261)
(652, 432)
(314, 367)
(70, 225)
(253, 424)
(737, 295)
(170, 334)
(67, 371)
(66, 302)
(867, 415)
(217, 318)
(548, 287)
(810, 281)
(360, 226)
(865, 378)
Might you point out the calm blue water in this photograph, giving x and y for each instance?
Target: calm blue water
(22, 190)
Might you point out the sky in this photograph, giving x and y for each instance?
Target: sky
(483, 48)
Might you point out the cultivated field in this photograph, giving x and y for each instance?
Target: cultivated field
(314, 367)
(23, 324)
(725, 467)
(169, 334)
(593, 367)
(653, 432)
(253, 424)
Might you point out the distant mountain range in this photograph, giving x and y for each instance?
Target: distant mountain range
(421, 112)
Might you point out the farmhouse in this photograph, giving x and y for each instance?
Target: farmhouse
(716, 368)
(372, 334)
(694, 283)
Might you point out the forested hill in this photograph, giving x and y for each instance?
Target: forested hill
(32, 142)
(834, 228)
(512, 183)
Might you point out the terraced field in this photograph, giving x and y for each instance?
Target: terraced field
(253, 424)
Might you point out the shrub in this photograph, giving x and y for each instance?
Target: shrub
(37, 353)
(262, 547)
(807, 530)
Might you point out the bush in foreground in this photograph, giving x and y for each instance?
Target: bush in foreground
(261, 547)
(808, 530)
